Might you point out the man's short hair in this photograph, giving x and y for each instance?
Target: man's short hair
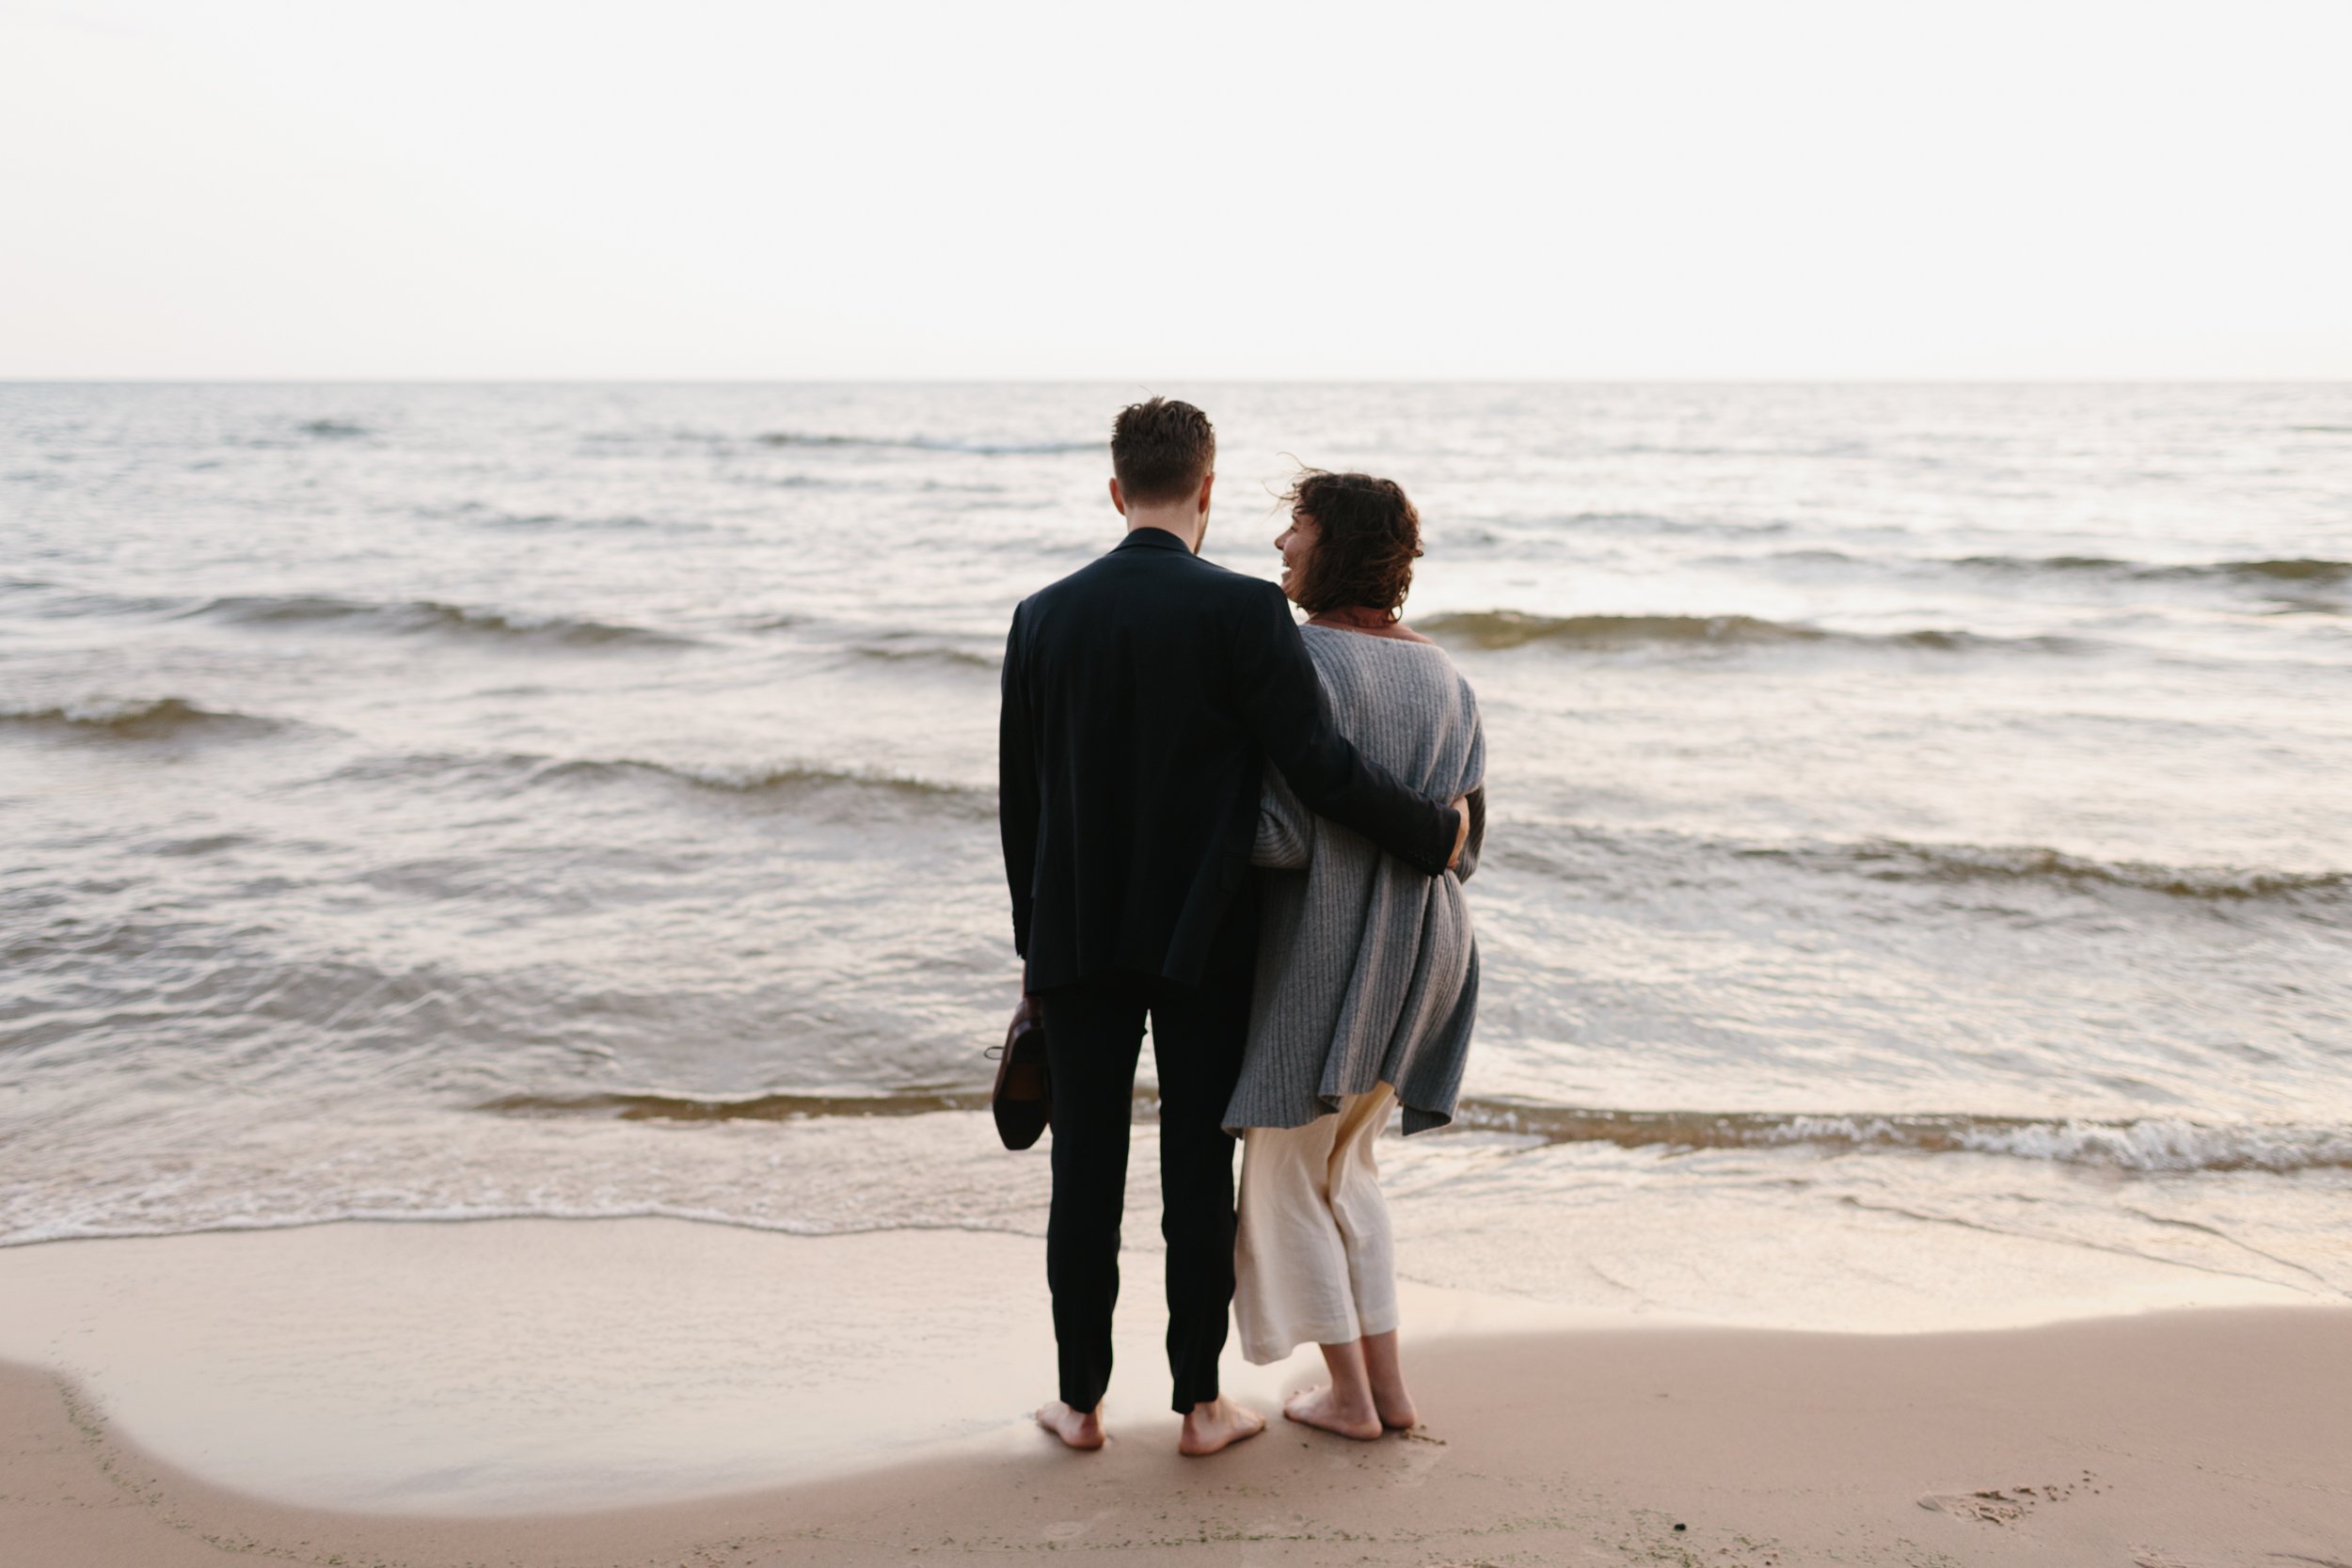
(1161, 450)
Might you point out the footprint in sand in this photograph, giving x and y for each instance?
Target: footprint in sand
(1991, 1507)
(1999, 1506)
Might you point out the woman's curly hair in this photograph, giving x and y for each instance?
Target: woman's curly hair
(1368, 536)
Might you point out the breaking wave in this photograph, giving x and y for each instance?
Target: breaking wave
(524, 769)
(961, 659)
(424, 616)
(156, 718)
(1512, 628)
(2148, 1145)
(762, 1107)
(1894, 860)
(1577, 851)
(2295, 570)
(888, 647)
(766, 781)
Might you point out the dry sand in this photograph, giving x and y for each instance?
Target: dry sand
(2216, 1438)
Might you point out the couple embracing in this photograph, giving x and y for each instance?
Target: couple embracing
(1255, 835)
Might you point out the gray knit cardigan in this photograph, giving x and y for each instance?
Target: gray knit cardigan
(1367, 969)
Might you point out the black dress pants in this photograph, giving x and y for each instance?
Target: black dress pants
(1093, 1036)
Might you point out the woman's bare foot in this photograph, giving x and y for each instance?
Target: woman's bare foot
(1216, 1425)
(1079, 1429)
(1385, 1371)
(1325, 1408)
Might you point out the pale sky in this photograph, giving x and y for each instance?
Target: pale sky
(699, 189)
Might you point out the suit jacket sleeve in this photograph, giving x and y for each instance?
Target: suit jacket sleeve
(1476, 844)
(1282, 701)
(1016, 788)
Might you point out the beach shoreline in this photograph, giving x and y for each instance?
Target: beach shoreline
(2185, 1438)
(1681, 1446)
(1879, 901)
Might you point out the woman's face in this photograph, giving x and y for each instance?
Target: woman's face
(1297, 543)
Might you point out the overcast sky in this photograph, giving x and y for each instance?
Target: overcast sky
(327, 188)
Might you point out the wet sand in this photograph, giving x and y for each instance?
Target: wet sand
(2190, 1440)
(517, 1366)
(197, 1420)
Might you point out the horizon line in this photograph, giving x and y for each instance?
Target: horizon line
(1774, 380)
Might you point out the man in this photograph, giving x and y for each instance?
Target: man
(1143, 695)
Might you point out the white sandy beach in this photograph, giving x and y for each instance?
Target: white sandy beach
(642, 1392)
(507, 1366)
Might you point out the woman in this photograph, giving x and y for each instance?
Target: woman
(1367, 974)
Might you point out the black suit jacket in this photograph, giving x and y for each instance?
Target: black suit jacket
(1143, 696)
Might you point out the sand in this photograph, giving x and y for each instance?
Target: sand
(2204, 1438)
(512, 1366)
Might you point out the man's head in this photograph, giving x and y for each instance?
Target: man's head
(1164, 460)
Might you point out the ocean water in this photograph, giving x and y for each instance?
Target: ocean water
(1921, 816)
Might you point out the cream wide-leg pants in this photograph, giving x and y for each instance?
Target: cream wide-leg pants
(1313, 1259)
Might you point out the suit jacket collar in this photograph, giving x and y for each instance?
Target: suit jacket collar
(1152, 539)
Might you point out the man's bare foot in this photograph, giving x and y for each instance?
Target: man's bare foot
(1321, 1407)
(1216, 1425)
(1079, 1429)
